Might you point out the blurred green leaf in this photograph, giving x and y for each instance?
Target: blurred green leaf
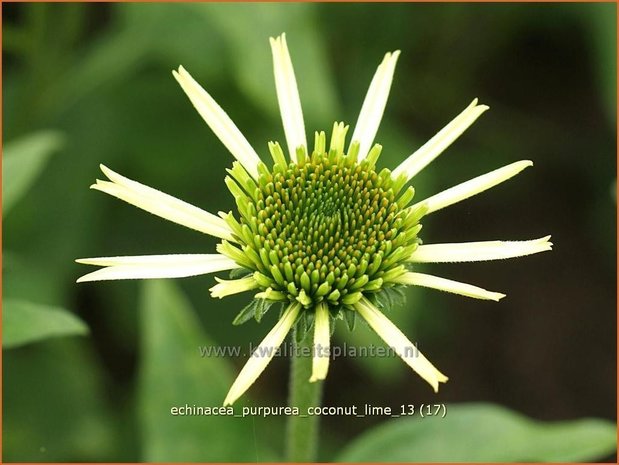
(57, 408)
(25, 322)
(108, 61)
(22, 161)
(602, 24)
(170, 33)
(483, 433)
(173, 373)
(247, 28)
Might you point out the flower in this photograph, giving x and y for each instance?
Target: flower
(325, 233)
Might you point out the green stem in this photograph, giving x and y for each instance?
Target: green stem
(302, 432)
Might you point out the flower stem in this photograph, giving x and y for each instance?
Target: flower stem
(302, 432)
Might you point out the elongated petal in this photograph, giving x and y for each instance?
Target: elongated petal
(155, 266)
(400, 343)
(322, 336)
(225, 288)
(374, 104)
(219, 122)
(288, 96)
(163, 205)
(447, 285)
(443, 139)
(263, 354)
(478, 251)
(270, 294)
(474, 186)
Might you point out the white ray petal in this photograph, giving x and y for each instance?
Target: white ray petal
(447, 285)
(225, 288)
(474, 186)
(288, 96)
(155, 266)
(443, 139)
(219, 122)
(478, 251)
(400, 343)
(322, 336)
(263, 354)
(163, 205)
(374, 104)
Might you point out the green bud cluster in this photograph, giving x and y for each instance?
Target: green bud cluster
(326, 228)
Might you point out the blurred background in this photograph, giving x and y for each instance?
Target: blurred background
(85, 84)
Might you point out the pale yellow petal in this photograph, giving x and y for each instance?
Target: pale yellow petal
(155, 266)
(401, 345)
(263, 354)
(374, 104)
(219, 122)
(447, 285)
(224, 288)
(443, 139)
(473, 187)
(162, 205)
(478, 251)
(322, 336)
(288, 96)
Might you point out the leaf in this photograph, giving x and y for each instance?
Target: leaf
(602, 30)
(57, 406)
(108, 61)
(22, 161)
(483, 433)
(25, 322)
(173, 373)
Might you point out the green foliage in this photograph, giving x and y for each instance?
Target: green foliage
(245, 26)
(483, 433)
(174, 373)
(56, 408)
(22, 161)
(25, 322)
(602, 25)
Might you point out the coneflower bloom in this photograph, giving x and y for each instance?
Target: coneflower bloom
(321, 231)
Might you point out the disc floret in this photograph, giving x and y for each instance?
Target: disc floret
(326, 228)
